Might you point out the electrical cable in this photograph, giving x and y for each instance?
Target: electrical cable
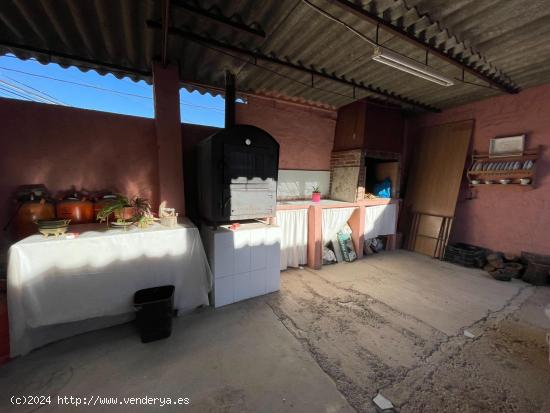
(16, 94)
(273, 71)
(58, 102)
(340, 22)
(12, 86)
(103, 89)
(371, 41)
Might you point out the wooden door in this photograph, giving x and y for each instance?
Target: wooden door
(437, 167)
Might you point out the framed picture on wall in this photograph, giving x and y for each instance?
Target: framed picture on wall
(507, 146)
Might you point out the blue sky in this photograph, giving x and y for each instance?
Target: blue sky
(28, 78)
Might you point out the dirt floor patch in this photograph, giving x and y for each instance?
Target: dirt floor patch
(367, 346)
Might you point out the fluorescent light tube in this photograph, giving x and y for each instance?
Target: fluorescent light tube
(408, 65)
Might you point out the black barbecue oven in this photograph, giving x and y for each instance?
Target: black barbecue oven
(237, 171)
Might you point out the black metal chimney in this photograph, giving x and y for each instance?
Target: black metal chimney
(229, 99)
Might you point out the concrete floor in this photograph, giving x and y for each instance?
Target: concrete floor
(327, 342)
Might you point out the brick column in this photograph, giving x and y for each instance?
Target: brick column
(168, 130)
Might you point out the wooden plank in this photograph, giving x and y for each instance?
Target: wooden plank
(437, 168)
(425, 245)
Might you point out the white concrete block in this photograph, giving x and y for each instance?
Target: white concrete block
(258, 282)
(258, 258)
(242, 250)
(273, 247)
(273, 279)
(224, 292)
(224, 256)
(241, 283)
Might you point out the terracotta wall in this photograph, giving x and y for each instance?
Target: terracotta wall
(504, 218)
(61, 147)
(305, 134)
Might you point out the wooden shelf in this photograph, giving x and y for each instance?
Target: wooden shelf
(517, 173)
(516, 184)
(497, 174)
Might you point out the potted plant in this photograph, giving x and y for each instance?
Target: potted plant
(119, 207)
(143, 216)
(125, 211)
(316, 194)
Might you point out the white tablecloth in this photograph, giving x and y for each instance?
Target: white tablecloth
(55, 282)
(380, 220)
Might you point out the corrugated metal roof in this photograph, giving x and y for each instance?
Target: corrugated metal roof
(505, 38)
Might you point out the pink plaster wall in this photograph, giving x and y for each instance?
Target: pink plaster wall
(168, 134)
(305, 134)
(61, 147)
(504, 218)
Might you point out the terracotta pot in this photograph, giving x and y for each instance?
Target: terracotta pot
(125, 213)
(316, 197)
(77, 210)
(103, 202)
(29, 212)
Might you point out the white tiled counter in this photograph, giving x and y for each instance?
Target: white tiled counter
(244, 262)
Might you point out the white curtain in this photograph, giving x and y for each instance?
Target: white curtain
(380, 220)
(293, 224)
(334, 220)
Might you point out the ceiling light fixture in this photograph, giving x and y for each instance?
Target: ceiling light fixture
(408, 65)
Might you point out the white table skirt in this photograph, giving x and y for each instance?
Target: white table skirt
(294, 224)
(380, 220)
(58, 281)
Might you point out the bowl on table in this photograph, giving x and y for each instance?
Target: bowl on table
(505, 181)
(55, 227)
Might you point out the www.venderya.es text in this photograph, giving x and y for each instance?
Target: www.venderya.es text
(97, 400)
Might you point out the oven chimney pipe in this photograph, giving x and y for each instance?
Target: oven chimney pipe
(229, 99)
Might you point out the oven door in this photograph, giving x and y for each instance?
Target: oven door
(252, 199)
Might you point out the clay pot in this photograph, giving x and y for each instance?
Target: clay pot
(29, 212)
(125, 213)
(103, 202)
(79, 211)
(316, 197)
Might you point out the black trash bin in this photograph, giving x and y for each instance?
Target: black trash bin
(155, 308)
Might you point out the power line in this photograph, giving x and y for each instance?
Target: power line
(76, 83)
(102, 88)
(56, 101)
(16, 94)
(19, 91)
(12, 86)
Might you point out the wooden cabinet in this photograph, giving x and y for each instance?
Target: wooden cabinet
(350, 127)
(369, 125)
